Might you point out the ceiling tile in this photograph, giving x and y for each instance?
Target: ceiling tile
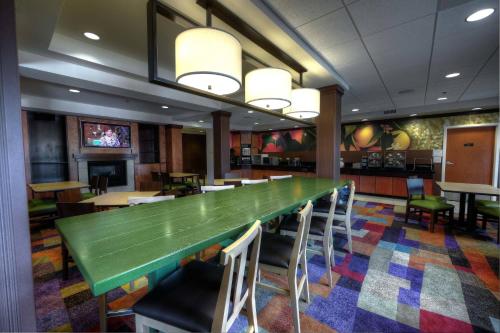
(299, 12)
(371, 16)
(486, 83)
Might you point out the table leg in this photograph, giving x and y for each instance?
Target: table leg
(155, 277)
(471, 223)
(103, 320)
(461, 209)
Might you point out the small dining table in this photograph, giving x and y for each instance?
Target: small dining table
(118, 199)
(114, 247)
(468, 194)
(57, 187)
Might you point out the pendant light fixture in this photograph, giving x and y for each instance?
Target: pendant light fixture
(305, 103)
(208, 59)
(268, 88)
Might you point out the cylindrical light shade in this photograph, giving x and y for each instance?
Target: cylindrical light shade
(268, 88)
(305, 104)
(208, 59)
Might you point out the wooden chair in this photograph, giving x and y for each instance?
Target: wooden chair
(205, 189)
(205, 297)
(320, 230)
(134, 201)
(280, 177)
(103, 185)
(253, 181)
(417, 202)
(93, 188)
(236, 183)
(69, 209)
(282, 255)
(490, 212)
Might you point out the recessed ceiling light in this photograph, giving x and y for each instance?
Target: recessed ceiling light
(91, 35)
(76, 91)
(201, 132)
(475, 109)
(282, 119)
(270, 129)
(364, 119)
(480, 14)
(164, 107)
(201, 121)
(442, 98)
(255, 123)
(413, 115)
(295, 126)
(250, 111)
(355, 110)
(451, 75)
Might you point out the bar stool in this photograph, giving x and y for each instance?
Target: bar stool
(197, 297)
(320, 230)
(282, 255)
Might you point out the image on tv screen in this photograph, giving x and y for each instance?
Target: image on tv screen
(105, 135)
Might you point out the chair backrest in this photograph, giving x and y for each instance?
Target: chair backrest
(94, 184)
(280, 177)
(103, 185)
(134, 201)
(234, 258)
(331, 214)
(68, 209)
(300, 244)
(253, 181)
(236, 183)
(205, 189)
(415, 187)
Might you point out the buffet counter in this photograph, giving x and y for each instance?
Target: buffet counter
(259, 171)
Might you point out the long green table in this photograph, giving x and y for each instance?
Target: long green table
(114, 247)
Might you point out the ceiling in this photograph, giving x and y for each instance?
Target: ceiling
(394, 54)
(387, 54)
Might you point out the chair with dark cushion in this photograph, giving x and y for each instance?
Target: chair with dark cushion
(282, 255)
(69, 209)
(93, 188)
(320, 230)
(204, 296)
(417, 202)
(490, 214)
(102, 185)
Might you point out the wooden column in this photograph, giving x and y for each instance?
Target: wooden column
(328, 133)
(17, 309)
(173, 148)
(220, 120)
(73, 144)
(163, 149)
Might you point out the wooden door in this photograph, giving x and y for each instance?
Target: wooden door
(470, 155)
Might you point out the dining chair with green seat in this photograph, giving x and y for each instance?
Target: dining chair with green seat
(69, 209)
(42, 207)
(171, 185)
(419, 203)
(320, 230)
(490, 214)
(282, 255)
(487, 203)
(420, 182)
(203, 296)
(93, 188)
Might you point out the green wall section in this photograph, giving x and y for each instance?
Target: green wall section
(423, 133)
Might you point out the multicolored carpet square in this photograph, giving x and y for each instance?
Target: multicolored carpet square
(399, 278)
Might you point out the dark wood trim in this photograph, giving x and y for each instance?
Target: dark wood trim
(441, 115)
(173, 126)
(104, 157)
(228, 17)
(156, 7)
(17, 306)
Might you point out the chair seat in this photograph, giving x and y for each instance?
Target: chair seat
(487, 203)
(88, 195)
(186, 299)
(38, 207)
(489, 211)
(430, 205)
(275, 250)
(318, 224)
(429, 197)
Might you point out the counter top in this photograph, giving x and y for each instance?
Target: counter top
(383, 172)
(310, 167)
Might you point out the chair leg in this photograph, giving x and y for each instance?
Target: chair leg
(420, 214)
(407, 212)
(65, 259)
(252, 312)
(450, 219)
(328, 262)
(349, 234)
(294, 298)
(303, 266)
(433, 221)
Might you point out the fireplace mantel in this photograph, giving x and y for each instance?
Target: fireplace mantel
(104, 157)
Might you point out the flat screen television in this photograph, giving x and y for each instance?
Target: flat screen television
(102, 135)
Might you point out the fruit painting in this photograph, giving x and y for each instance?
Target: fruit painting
(303, 139)
(374, 137)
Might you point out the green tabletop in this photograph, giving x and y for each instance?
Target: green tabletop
(114, 247)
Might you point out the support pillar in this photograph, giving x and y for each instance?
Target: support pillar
(220, 120)
(328, 129)
(17, 309)
(173, 148)
(209, 132)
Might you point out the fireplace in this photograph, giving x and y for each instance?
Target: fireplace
(116, 171)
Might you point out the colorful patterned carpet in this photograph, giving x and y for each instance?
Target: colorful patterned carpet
(400, 278)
